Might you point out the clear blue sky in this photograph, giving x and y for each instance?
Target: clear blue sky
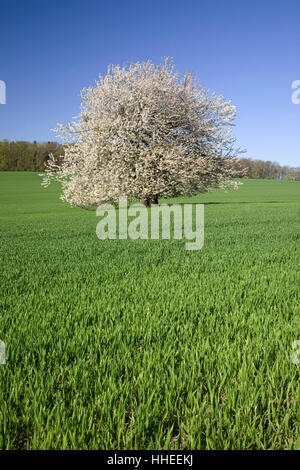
(247, 50)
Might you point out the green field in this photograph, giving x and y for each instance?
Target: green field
(123, 344)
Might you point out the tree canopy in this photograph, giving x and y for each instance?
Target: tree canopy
(144, 132)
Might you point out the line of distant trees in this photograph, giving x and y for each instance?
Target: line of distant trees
(32, 156)
(260, 169)
(26, 156)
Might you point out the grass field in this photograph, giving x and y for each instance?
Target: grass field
(124, 344)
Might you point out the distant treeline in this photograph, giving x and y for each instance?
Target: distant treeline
(31, 156)
(26, 156)
(259, 169)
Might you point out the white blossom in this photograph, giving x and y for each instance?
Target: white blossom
(144, 132)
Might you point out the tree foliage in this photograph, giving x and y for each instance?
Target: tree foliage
(144, 132)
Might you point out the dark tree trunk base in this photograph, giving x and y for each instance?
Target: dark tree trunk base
(148, 201)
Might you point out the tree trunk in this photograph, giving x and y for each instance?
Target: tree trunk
(149, 200)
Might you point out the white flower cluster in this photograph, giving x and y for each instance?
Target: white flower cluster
(144, 132)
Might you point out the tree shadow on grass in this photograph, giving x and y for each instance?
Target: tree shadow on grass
(244, 202)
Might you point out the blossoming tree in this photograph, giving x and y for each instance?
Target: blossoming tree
(145, 133)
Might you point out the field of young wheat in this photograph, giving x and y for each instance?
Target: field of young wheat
(141, 344)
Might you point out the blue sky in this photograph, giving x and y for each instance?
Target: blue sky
(247, 50)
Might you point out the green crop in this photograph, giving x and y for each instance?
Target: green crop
(140, 344)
